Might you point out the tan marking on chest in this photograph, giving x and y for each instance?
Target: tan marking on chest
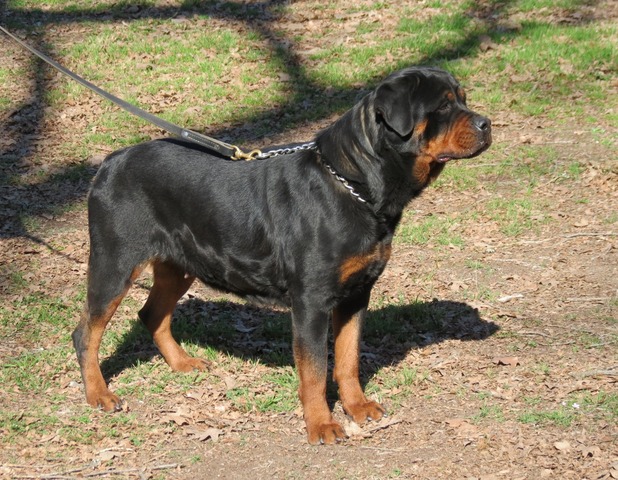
(426, 170)
(357, 263)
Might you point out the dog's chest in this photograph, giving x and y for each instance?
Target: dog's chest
(364, 266)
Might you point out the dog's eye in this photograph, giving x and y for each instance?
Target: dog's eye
(444, 108)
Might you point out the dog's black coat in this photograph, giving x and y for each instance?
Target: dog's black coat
(256, 228)
(283, 229)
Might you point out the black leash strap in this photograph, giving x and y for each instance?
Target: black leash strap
(223, 148)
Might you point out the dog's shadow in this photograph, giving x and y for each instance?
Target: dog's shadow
(265, 335)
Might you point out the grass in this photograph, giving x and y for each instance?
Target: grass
(599, 407)
(490, 412)
(276, 393)
(559, 417)
(432, 229)
(224, 63)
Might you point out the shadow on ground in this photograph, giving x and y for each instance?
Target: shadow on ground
(265, 335)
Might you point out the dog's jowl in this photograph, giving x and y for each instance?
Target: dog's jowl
(311, 230)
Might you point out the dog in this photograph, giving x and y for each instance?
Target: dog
(311, 230)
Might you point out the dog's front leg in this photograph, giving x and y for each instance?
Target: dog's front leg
(348, 321)
(310, 355)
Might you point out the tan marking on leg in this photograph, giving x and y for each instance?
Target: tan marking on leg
(170, 284)
(91, 329)
(321, 427)
(347, 332)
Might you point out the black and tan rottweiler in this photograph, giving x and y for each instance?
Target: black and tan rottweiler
(311, 230)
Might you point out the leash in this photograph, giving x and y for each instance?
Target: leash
(225, 149)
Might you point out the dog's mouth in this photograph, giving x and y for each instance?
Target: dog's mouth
(447, 157)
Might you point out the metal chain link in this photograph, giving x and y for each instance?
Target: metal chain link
(345, 183)
(308, 146)
(285, 151)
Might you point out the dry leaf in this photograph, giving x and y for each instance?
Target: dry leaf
(240, 327)
(508, 361)
(230, 382)
(196, 394)
(106, 455)
(562, 446)
(591, 452)
(508, 298)
(179, 418)
(204, 434)
(455, 422)
(486, 43)
(353, 429)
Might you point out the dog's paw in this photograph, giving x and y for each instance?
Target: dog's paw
(106, 401)
(367, 410)
(329, 432)
(188, 364)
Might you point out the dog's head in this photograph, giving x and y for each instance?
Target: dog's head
(423, 113)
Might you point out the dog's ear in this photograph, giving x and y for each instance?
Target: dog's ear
(393, 102)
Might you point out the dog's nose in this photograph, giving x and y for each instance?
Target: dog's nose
(482, 123)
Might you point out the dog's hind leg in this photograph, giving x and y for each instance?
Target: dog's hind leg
(170, 283)
(107, 286)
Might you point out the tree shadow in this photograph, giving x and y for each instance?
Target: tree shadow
(25, 124)
(264, 335)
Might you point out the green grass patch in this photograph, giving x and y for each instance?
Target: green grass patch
(598, 406)
(559, 417)
(514, 216)
(465, 175)
(196, 81)
(401, 320)
(277, 392)
(603, 405)
(438, 230)
(38, 316)
(489, 412)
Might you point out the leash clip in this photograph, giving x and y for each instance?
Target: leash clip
(240, 155)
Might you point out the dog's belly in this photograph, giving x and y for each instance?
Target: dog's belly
(254, 292)
(257, 280)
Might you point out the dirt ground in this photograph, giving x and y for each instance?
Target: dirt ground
(517, 381)
(548, 337)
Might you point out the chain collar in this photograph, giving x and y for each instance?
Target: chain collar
(345, 183)
(310, 146)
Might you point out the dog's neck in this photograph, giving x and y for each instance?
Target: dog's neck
(355, 149)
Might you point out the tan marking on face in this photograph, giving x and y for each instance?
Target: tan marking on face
(426, 169)
(420, 127)
(461, 93)
(461, 139)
